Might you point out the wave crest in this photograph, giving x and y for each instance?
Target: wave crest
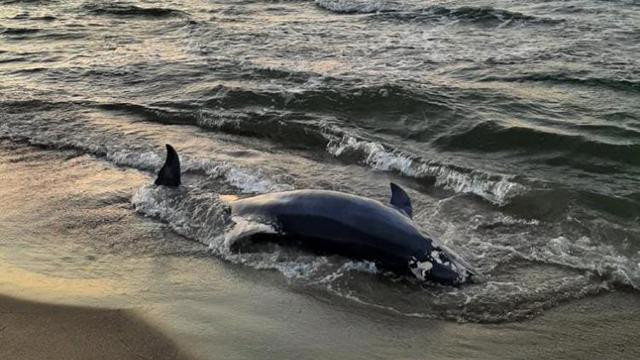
(497, 189)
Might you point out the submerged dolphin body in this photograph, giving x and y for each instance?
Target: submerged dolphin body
(338, 223)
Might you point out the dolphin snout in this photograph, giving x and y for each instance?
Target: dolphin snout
(445, 275)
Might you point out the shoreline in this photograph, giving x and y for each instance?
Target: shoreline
(587, 328)
(35, 330)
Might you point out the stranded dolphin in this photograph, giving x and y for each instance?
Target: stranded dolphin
(333, 222)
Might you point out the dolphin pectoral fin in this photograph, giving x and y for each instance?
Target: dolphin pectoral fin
(245, 233)
(400, 199)
(169, 175)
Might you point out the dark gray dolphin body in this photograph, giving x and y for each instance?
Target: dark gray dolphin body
(349, 225)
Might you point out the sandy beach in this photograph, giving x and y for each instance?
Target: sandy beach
(32, 330)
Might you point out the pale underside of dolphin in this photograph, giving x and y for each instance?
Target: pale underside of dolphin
(332, 222)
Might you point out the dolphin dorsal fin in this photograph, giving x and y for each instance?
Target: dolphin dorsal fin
(400, 200)
(169, 175)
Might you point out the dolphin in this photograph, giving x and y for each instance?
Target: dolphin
(332, 222)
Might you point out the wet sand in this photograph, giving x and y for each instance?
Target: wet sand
(32, 330)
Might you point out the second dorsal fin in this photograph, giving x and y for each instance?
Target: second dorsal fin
(400, 200)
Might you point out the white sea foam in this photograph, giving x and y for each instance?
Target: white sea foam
(361, 266)
(245, 180)
(203, 217)
(582, 254)
(497, 189)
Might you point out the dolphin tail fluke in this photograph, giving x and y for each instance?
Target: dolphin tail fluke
(169, 175)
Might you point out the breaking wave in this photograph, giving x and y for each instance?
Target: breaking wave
(143, 158)
(291, 130)
(497, 189)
